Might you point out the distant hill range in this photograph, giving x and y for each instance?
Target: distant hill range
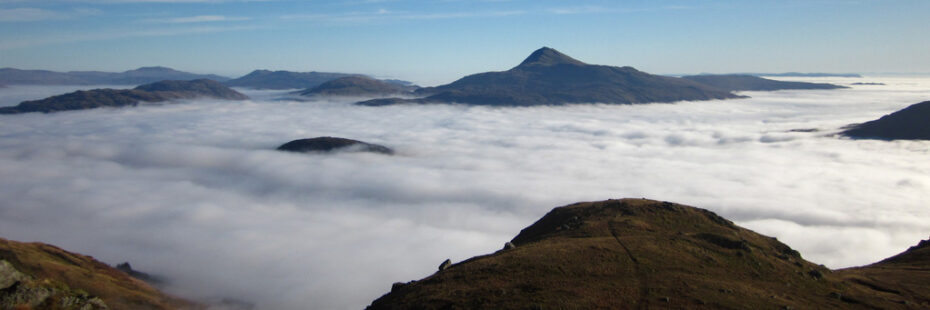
(42, 276)
(645, 254)
(796, 74)
(265, 79)
(911, 123)
(548, 77)
(155, 92)
(738, 82)
(361, 86)
(11, 76)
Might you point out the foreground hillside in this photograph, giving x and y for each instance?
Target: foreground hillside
(633, 253)
(41, 276)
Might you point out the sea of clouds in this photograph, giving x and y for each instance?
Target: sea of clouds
(196, 193)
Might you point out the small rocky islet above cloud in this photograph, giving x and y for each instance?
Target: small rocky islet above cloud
(910, 123)
(548, 77)
(742, 82)
(333, 144)
(645, 254)
(162, 91)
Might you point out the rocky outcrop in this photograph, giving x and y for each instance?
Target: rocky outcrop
(911, 123)
(333, 144)
(644, 254)
(41, 276)
(738, 82)
(162, 91)
(548, 77)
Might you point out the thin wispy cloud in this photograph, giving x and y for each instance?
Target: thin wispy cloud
(112, 35)
(198, 19)
(36, 14)
(383, 15)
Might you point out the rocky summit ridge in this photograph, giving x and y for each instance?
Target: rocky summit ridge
(646, 254)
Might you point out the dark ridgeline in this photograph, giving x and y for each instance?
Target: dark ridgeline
(911, 123)
(265, 79)
(645, 254)
(738, 82)
(360, 86)
(333, 144)
(154, 92)
(548, 77)
(138, 76)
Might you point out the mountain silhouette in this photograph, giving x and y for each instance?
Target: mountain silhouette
(155, 92)
(548, 77)
(911, 123)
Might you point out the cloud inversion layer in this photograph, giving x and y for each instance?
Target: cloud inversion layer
(196, 193)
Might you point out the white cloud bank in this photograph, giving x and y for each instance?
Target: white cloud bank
(194, 191)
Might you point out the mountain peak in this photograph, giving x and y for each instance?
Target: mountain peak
(547, 56)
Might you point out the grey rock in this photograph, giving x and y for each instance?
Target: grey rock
(508, 246)
(445, 265)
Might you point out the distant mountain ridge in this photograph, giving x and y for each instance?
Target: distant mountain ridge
(739, 82)
(548, 77)
(12, 76)
(154, 92)
(266, 79)
(359, 86)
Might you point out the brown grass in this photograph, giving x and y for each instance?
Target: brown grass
(644, 254)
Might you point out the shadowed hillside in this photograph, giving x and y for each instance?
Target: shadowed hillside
(644, 254)
(911, 123)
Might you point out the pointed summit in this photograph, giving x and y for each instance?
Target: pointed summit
(547, 57)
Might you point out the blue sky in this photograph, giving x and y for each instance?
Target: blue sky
(434, 42)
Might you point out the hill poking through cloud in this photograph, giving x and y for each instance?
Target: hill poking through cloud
(548, 77)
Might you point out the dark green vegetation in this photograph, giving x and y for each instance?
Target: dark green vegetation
(911, 123)
(265, 79)
(644, 254)
(737, 82)
(359, 86)
(333, 144)
(548, 77)
(154, 92)
(41, 276)
(142, 75)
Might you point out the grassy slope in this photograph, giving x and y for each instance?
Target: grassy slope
(631, 253)
(50, 264)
